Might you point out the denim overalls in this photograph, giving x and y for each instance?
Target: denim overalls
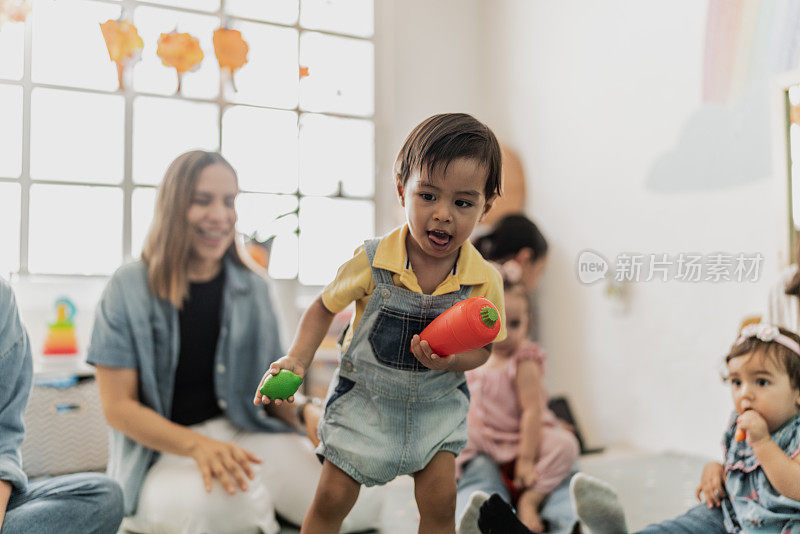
(753, 505)
(386, 414)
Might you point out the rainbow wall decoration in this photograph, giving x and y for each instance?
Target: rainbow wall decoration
(747, 40)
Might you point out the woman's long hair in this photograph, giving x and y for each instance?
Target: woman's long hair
(168, 246)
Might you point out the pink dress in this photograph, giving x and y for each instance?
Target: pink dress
(493, 422)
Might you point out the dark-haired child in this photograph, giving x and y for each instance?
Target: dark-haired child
(395, 407)
(511, 429)
(757, 487)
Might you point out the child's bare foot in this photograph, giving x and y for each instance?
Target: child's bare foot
(528, 510)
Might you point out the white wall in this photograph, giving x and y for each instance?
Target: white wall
(429, 58)
(593, 95)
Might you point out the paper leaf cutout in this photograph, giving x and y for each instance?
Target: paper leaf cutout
(180, 51)
(123, 43)
(14, 11)
(230, 49)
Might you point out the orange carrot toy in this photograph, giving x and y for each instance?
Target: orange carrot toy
(741, 435)
(467, 326)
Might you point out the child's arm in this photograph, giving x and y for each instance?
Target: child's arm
(782, 472)
(313, 326)
(529, 393)
(455, 362)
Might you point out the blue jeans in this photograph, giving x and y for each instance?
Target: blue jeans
(698, 520)
(482, 474)
(84, 503)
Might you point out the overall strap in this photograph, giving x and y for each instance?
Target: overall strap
(464, 292)
(381, 276)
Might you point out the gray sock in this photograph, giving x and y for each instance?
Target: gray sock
(469, 519)
(597, 505)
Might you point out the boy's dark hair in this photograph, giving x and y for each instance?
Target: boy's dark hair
(511, 234)
(446, 137)
(781, 356)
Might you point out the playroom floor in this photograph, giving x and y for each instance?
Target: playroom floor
(652, 487)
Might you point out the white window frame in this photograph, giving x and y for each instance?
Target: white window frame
(127, 185)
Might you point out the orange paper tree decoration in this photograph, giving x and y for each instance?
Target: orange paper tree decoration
(231, 51)
(123, 43)
(14, 11)
(180, 51)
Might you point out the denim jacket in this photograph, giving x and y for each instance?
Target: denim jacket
(135, 329)
(16, 376)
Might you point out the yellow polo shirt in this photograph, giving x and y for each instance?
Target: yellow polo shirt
(354, 280)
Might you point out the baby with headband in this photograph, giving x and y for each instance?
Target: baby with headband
(757, 487)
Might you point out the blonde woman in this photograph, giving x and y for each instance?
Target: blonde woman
(177, 340)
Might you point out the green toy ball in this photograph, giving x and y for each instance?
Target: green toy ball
(281, 386)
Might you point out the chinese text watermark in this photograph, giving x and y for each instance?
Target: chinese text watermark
(682, 267)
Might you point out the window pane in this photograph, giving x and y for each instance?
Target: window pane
(259, 214)
(200, 5)
(284, 256)
(164, 128)
(261, 144)
(150, 75)
(12, 43)
(77, 136)
(68, 46)
(10, 130)
(75, 229)
(282, 11)
(323, 249)
(9, 222)
(143, 208)
(336, 151)
(341, 16)
(270, 77)
(340, 74)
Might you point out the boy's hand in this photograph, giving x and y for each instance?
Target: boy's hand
(712, 485)
(423, 352)
(288, 363)
(525, 474)
(756, 426)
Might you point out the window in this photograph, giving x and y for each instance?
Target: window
(80, 160)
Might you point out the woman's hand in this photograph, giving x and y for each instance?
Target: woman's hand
(288, 363)
(227, 462)
(754, 425)
(712, 485)
(423, 352)
(525, 474)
